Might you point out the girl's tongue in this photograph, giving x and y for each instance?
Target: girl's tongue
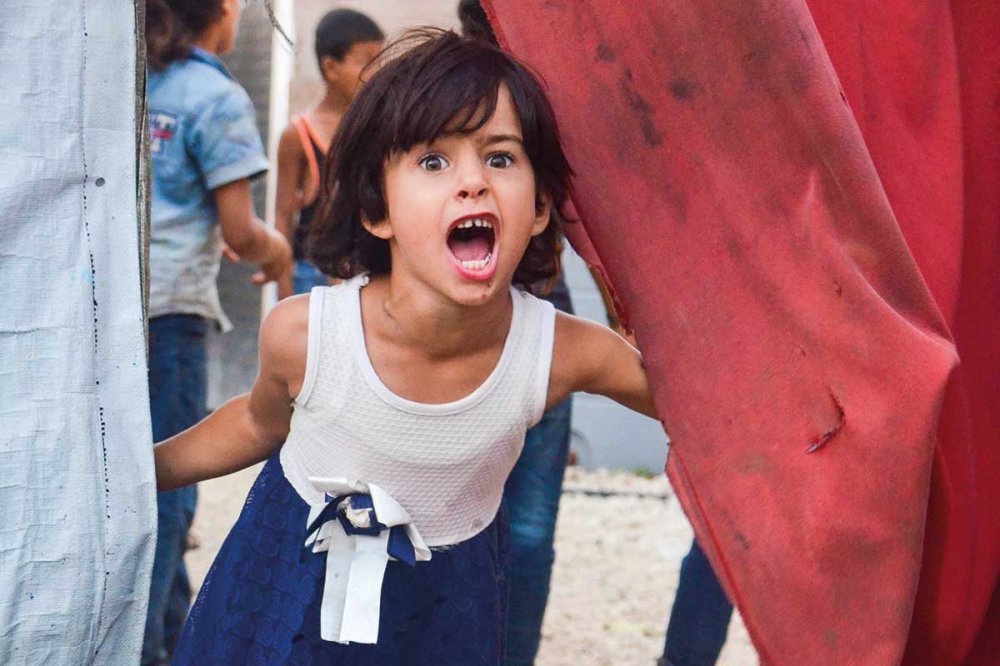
(472, 244)
(473, 249)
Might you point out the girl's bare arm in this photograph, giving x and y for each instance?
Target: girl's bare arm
(250, 427)
(593, 358)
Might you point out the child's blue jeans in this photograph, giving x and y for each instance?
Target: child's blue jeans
(177, 395)
(532, 495)
(700, 616)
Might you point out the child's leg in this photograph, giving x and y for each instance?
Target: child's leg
(177, 387)
(700, 616)
(177, 606)
(532, 495)
(171, 531)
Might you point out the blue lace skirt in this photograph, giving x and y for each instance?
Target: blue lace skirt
(260, 602)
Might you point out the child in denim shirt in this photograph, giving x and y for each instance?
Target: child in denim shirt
(204, 149)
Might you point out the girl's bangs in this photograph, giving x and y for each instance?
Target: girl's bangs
(455, 103)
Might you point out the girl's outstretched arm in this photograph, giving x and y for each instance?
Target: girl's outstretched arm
(592, 358)
(250, 427)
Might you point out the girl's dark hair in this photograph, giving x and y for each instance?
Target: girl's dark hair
(341, 29)
(444, 84)
(472, 16)
(171, 26)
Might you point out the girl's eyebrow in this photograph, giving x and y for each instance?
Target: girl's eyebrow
(500, 138)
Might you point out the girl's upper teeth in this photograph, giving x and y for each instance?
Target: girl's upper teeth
(476, 222)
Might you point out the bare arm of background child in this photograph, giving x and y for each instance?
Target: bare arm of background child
(247, 235)
(250, 427)
(289, 194)
(592, 358)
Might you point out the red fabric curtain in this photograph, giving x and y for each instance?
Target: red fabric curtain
(797, 208)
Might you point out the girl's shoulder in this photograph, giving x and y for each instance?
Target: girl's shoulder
(572, 331)
(580, 347)
(527, 299)
(291, 331)
(288, 322)
(284, 339)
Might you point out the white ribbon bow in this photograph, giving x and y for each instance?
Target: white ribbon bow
(355, 564)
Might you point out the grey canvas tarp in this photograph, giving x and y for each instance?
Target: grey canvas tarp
(77, 502)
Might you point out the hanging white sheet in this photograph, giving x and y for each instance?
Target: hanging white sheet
(77, 504)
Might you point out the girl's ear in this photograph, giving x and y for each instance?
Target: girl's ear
(381, 229)
(543, 213)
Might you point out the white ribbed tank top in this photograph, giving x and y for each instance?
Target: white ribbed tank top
(446, 464)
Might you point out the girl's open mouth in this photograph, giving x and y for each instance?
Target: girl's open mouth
(472, 241)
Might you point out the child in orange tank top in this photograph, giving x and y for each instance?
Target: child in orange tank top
(346, 42)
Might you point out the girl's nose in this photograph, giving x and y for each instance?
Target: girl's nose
(472, 183)
(471, 193)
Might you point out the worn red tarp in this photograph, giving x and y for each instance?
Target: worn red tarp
(923, 80)
(745, 216)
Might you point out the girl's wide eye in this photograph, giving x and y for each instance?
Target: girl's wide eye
(500, 160)
(432, 162)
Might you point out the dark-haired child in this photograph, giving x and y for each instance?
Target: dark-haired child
(346, 42)
(204, 150)
(376, 534)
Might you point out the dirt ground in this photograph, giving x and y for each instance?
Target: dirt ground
(619, 543)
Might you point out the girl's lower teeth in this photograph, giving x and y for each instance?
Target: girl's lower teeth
(477, 264)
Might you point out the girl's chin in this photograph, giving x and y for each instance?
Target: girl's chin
(475, 292)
